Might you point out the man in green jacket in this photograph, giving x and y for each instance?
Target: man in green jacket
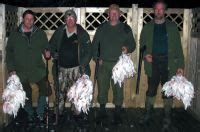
(24, 51)
(71, 46)
(110, 40)
(163, 58)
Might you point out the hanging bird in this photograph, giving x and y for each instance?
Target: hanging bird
(81, 94)
(180, 88)
(123, 69)
(13, 96)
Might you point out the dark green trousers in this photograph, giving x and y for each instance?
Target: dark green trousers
(104, 80)
(159, 75)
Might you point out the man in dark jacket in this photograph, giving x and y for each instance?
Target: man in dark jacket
(24, 51)
(163, 58)
(111, 38)
(71, 46)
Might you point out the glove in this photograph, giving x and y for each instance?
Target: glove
(82, 70)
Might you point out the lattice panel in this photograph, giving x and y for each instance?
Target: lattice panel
(175, 16)
(94, 19)
(196, 23)
(49, 20)
(11, 19)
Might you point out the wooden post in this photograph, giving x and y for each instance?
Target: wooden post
(3, 117)
(139, 29)
(134, 24)
(19, 14)
(82, 16)
(187, 25)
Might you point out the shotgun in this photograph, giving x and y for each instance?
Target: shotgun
(57, 91)
(142, 49)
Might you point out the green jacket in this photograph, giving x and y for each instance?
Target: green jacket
(175, 52)
(84, 45)
(109, 40)
(24, 56)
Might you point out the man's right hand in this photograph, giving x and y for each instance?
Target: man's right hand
(47, 54)
(12, 73)
(148, 58)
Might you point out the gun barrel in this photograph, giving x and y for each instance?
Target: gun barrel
(139, 68)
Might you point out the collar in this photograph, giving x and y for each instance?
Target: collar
(69, 34)
(22, 28)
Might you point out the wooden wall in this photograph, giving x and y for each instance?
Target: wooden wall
(193, 63)
(194, 73)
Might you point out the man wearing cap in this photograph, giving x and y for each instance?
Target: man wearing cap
(110, 40)
(71, 46)
(24, 51)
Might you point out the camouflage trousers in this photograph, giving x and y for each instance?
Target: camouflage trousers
(67, 77)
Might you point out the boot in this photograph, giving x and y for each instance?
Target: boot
(101, 117)
(148, 110)
(61, 104)
(28, 108)
(117, 115)
(167, 113)
(41, 109)
(75, 115)
(84, 120)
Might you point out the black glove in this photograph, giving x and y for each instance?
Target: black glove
(82, 70)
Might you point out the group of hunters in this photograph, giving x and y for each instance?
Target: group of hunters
(70, 46)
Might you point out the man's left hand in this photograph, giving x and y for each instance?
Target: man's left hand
(124, 49)
(47, 54)
(179, 71)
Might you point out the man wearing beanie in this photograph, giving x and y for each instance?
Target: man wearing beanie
(71, 46)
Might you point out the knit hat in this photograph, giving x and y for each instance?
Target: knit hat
(70, 12)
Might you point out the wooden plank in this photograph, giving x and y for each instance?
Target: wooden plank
(50, 9)
(3, 117)
(82, 15)
(168, 11)
(102, 10)
(141, 97)
(194, 74)
(192, 67)
(187, 25)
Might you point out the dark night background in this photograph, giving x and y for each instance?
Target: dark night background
(100, 3)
